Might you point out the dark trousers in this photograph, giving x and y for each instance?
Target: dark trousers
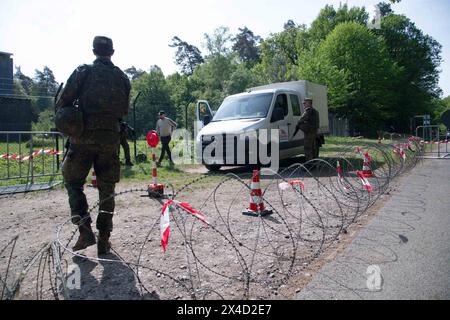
(310, 145)
(125, 146)
(165, 147)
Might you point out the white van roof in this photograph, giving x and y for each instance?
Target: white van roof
(260, 91)
(253, 92)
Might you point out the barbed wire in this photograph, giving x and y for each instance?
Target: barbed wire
(235, 256)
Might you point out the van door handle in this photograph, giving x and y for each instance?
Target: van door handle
(289, 124)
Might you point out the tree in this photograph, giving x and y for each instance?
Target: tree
(419, 57)
(217, 44)
(329, 18)
(369, 73)
(317, 68)
(155, 96)
(280, 52)
(45, 121)
(25, 81)
(45, 83)
(212, 76)
(181, 88)
(134, 73)
(246, 46)
(155, 68)
(385, 9)
(289, 24)
(439, 107)
(18, 89)
(446, 101)
(240, 80)
(187, 56)
(44, 89)
(275, 63)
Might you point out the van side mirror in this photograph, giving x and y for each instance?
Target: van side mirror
(277, 114)
(206, 119)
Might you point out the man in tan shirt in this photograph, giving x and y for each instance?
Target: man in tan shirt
(164, 128)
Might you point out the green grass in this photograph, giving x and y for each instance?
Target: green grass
(141, 172)
(175, 175)
(336, 145)
(19, 171)
(339, 146)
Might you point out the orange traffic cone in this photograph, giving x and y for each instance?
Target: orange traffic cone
(256, 206)
(94, 180)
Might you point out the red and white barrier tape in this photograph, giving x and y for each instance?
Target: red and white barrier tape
(364, 181)
(341, 179)
(434, 142)
(398, 149)
(165, 219)
(295, 184)
(31, 156)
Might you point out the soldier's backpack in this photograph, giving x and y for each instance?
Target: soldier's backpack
(69, 121)
(105, 92)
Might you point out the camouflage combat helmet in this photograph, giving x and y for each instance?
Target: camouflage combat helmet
(69, 120)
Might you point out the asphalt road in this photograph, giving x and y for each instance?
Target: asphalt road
(404, 252)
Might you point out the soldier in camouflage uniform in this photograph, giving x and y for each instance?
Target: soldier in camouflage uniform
(102, 91)
(309, 124)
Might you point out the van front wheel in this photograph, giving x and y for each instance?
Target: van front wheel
(212, 167)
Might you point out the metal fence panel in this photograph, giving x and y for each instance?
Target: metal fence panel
(434, 142)
(339, 126)
(29, 159)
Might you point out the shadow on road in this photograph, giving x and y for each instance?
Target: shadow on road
(116, 281)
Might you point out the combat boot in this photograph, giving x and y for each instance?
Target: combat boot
(103, 244)
(85, 239)
(128, 163)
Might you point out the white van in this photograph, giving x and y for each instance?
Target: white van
(274, 106)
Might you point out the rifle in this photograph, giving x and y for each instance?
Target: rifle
(54, 129)
(128, 130)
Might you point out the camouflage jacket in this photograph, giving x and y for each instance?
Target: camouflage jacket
(309, 121)
(102, 91)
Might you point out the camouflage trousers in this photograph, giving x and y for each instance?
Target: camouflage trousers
(126, 147)
(75, 169)
(310, 145)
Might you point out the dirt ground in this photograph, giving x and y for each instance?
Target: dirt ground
(234, 257)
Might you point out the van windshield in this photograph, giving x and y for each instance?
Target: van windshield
(244, 107)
